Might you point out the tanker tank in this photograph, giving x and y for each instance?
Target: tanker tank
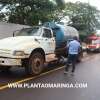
(63, 34)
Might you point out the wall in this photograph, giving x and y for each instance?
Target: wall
(7, 29)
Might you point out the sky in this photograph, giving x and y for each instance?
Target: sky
(95, 3)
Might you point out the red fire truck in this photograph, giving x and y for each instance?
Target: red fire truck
(93, 43)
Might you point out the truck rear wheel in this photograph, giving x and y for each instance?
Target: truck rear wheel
(36, 63)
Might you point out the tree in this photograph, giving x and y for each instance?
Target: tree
(30, 11)
(83, 16)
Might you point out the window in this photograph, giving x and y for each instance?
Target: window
(47, 33)
(35, 31)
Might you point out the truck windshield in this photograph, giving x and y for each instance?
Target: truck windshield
(35, 31)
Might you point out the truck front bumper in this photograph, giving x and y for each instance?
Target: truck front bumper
(10, 62)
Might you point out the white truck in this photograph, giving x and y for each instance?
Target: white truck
(30, 48)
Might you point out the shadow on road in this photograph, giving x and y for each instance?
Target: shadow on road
(15, 73)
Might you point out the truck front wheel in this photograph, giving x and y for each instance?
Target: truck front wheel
(36, 62)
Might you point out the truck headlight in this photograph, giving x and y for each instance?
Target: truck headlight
(18, 53)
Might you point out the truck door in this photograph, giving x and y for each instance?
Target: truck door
(48, 40)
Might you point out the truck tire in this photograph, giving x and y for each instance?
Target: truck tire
(36, 62)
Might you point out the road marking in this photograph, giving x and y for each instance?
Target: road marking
(31, 78)
(42, 74)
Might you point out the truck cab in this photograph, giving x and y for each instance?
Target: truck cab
(42, 35)
(93, 43)
(28, 47)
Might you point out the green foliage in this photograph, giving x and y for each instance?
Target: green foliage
(30, 11)
(83, 16)
(60, 4)
(2, 16)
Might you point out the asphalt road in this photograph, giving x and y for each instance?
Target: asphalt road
(88, 71)
(18, 73)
